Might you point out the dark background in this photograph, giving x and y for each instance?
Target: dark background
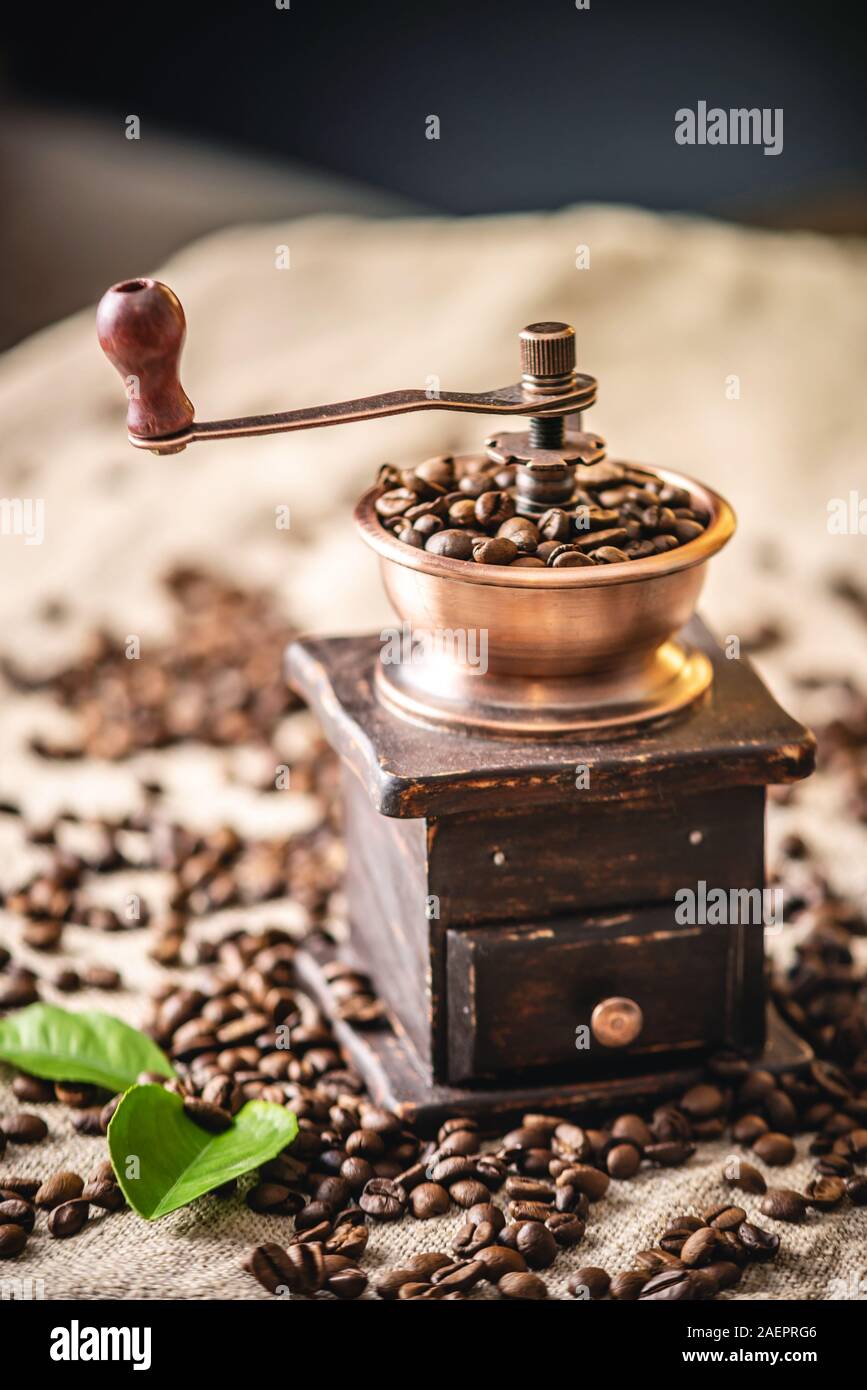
(540, 106)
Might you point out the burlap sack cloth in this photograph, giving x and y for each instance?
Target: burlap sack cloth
(670, 311)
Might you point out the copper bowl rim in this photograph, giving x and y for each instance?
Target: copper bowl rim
(719, 530)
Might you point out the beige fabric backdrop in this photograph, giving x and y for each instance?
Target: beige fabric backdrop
(669, 309)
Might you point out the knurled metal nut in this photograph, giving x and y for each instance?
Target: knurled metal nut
(547, 349)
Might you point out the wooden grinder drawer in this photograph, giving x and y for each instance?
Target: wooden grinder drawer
(517, 995)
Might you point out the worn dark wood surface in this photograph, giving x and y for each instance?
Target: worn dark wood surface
(735, 735)
(473, 864)
(391, 1072)
(516, 864)
(517, 995)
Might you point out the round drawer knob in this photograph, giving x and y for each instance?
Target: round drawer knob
(616, 1022)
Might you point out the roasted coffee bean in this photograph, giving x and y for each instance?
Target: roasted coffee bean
(623, 1161)
(75, 1095)
(468, 1192)
(365, 1143)
(529, 1190)
(566, 558)
(593, 1183)
(32, 1090)
(784, 1204)
(652, 1261)
(702, 1101)
(395, 502)
(277, 1269)
(634, 1129)
(743, 1176)
(499, 550)
(670, 1153)
(669, 1285)
(470, 1239)
(24, 1128)
(347, 1283)
(760, 1245)
(67, 1219)
(626, 1287)
(537, 1244)
(451, 543)
(429, 1199)
(383, 1199)
(749, 1128)
(725, 1217)
(700, 1247)
(856, 1190)
(493, 508)
(834, 1166)
(487, 1213)
(566, 1227)
(589, 1282)
(15, 1186)
(499, 1260)
(522, 531)
(348, 1240)
(210, 1117)
(724, 1273)
(59, 1188)
(555, 525)
(105, 1194)
(12, 1241)
(774, 1149)
(14, 1211)
(274, 1197)
(522, 1286)
(459, 1277)
(781, 1113)
(825, 1193)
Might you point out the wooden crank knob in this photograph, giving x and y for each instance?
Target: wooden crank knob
(141, 329)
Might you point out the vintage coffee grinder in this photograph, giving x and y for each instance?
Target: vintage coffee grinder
(516, 835)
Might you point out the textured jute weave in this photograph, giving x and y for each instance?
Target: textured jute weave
(669, 311)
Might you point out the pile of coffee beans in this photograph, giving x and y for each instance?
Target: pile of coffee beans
(220, 680)
(466, 510)
(64, 1197)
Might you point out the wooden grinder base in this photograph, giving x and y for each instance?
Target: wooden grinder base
(499, 890)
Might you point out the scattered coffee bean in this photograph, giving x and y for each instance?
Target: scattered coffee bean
(24, 1128)
(383, 1199)
(589, 1282)
(784, 1204)
(61, 1187)
(774, 1149)
(12, 1241)
(744, 1176)
(67, 1219)
(523, 1286)
(429, 1199)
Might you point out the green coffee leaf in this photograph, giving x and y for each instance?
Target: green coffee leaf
(163, 1160)
(93, 1047)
